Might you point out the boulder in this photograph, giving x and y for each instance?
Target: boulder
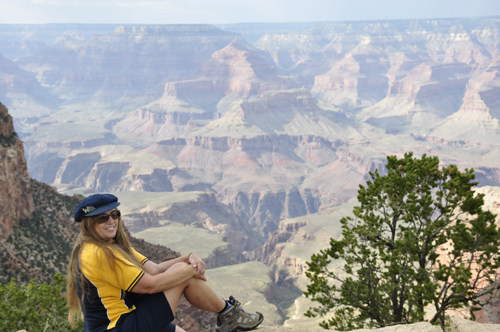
(288, 329)
(464, 325)
(417, 327)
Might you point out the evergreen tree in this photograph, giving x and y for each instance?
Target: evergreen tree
(419, 238)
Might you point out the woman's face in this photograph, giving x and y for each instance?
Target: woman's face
(107, 230)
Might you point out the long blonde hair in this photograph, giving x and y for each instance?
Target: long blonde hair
(88, 234)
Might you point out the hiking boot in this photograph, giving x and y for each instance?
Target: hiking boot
(235, 318)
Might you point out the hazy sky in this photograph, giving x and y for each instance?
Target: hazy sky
(235, 11)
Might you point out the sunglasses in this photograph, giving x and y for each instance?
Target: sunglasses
(102, 218)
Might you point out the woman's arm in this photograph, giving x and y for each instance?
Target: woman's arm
(155, 269)
(150, 284)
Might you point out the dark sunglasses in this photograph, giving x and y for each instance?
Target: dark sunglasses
(102, 218)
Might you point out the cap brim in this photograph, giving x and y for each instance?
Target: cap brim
(102, 208)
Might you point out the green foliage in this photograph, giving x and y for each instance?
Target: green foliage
(5, 118)
(8, 141)
(35, 307)
(419, 238)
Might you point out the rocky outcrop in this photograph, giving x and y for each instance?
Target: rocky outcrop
(464, 325)
(243, 71)
(419, 98)
(271, 251)
(477, 121)
(224, 256)
(16, 201)
(417, 327)
(131, 171)
(263, 210)
(285, 267)
(355, 81)
(456, 325)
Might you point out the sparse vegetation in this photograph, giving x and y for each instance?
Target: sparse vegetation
(41, 244)
(7, 141)
(419, 238)
(5, 118)
(35, 307)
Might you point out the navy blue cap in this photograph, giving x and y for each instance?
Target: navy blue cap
(95, 204)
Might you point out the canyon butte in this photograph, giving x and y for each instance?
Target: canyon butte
(247, 143)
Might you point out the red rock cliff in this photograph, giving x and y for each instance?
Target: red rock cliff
(16, 201)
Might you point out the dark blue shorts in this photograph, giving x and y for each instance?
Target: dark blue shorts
(152, 314)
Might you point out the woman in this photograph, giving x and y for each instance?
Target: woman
(116, 288)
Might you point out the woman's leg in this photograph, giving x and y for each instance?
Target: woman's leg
(197, 292)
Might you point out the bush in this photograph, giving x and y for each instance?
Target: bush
(35, 307)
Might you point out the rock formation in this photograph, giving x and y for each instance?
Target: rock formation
(456, 325)
(277, 129)
(148, 55)
(20, 90)
(16, 201)
(463, 325)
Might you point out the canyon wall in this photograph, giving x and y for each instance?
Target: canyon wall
(16, 201)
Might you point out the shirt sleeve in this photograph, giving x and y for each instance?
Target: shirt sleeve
(124, 275)
(141, 258)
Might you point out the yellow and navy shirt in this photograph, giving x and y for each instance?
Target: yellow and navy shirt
(107, 290)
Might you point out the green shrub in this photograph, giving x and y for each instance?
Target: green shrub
(7, 141)
(35, 307)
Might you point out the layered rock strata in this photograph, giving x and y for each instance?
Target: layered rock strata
(16, 201)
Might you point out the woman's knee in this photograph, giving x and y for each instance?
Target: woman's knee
(177, 266)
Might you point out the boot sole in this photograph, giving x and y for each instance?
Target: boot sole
(246, 328)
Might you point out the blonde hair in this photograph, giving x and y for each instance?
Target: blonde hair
(89, 235)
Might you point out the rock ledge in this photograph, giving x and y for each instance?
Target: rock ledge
(457, 325)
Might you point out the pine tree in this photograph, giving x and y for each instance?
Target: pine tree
(418, 239)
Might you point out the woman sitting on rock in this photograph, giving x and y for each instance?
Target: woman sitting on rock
(119, 289)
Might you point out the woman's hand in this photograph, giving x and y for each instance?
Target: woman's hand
(196, 262)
